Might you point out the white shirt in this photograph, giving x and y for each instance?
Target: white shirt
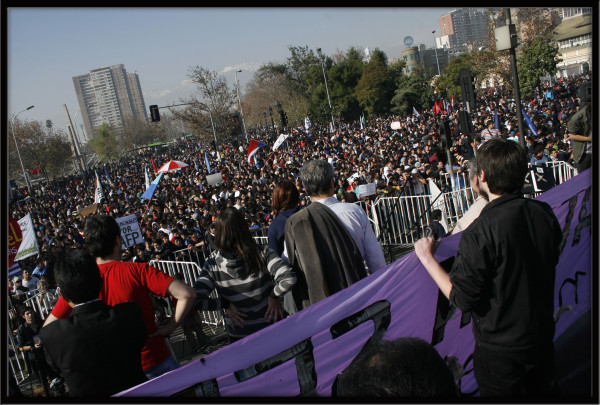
(357, 223)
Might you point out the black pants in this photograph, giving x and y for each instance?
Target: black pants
(585, 162)
(524, 373)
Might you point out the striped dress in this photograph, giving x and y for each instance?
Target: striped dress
(229, 275)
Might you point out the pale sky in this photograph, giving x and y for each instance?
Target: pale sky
(47, 47)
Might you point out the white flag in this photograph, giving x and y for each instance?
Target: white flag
(99, 195)
(29, 246)
(147, 178)
(307, 124)
(279, 141)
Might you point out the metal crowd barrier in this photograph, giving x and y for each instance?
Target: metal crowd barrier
(190, 272)
(42, 303)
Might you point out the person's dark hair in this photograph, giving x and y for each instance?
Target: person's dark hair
(405, 367)
(316, 177)
(285, 196)
(78, 276)
(232, 235)
(101, 232)
(505, 165)
(436, 215)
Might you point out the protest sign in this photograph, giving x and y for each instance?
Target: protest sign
(131, 234)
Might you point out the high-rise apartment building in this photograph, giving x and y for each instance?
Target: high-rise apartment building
(464, 29)
(109, 95)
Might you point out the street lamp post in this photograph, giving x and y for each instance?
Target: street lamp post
(326, 88)
(435, 48)
(17, 146)
(237, 86)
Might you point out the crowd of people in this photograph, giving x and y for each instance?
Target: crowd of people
(185, 212)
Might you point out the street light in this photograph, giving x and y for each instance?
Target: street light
(17, 146)
(213, 127)
(435, 47)
(326, 88)
(237, 86)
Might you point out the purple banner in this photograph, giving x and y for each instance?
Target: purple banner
(304, 353)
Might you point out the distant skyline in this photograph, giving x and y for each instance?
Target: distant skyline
(48, 46)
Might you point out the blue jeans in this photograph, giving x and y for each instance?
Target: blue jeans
(168, 365)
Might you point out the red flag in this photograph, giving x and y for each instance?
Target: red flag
(436, 108)
(15, 236)
(153, 165)
(253, 147)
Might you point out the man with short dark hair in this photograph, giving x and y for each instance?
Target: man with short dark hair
(127, 282)
(437, 228)
(504, 275)
(98, 348)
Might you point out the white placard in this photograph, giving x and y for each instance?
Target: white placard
(367, 189)
(131, 234)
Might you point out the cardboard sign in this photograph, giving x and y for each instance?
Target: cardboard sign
(85, 211)
(131, 234)
(213, 179)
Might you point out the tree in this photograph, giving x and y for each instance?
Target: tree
(343, 77)
(139, 132)
(375, 88)
(269, 86)
(50, 151)
(411, 90)
(536, 24)
(105, 143)
(214, 99)
(537, 59)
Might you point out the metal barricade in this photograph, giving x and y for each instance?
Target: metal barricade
(400, 220)
(262, 240)
(190, 271)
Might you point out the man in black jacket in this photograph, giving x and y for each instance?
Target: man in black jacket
(98, 348)
(504, 274)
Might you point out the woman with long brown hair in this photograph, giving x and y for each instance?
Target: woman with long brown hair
(285, 203)
(250, 279)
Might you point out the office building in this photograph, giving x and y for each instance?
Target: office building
(464, 29)
(109, 95)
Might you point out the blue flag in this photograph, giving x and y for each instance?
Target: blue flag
(152, 188)
(496, 121)
(107, 178)
(207, 163)
(529, 123)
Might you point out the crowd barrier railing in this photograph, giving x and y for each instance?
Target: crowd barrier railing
(190, 272)
(42, 303)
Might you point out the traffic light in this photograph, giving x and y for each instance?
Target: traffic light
(446, 132)
(467, 87)
(466, 125)
(154, 113)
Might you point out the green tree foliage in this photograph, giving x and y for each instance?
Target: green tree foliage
(537, 59)
(105, 143)
(411, 91)
(344, 77)
(375, 88)
(46, 149)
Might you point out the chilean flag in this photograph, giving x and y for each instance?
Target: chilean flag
(252, 149)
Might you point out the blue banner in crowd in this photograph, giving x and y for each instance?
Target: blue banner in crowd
(304, 353)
